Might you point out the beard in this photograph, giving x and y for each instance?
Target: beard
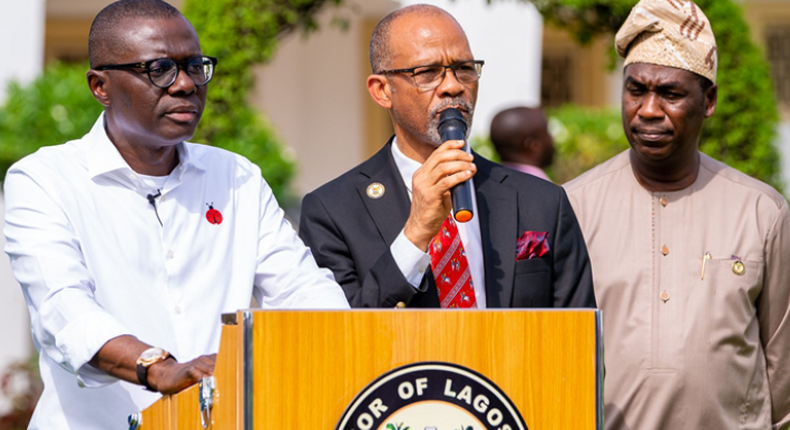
(433, 123)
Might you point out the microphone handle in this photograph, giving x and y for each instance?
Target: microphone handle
(462, 201)
(461, 193)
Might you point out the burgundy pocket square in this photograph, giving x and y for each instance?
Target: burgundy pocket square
(532, 244)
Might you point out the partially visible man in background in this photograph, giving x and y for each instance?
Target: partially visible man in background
(521, 138)
(690, 257)
(130, 243)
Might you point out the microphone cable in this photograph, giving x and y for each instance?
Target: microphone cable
(152, 200)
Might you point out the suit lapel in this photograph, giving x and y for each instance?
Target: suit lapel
(391, 210)
(497, 205)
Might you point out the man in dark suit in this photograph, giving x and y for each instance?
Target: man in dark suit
(381, 227)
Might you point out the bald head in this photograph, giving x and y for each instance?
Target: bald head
(380, 47)
(105, 35)
(520, 135)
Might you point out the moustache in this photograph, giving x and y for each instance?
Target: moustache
(456, 102)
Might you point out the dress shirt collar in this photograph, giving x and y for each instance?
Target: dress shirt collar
(406, 166)
(528, 169)
(103, 156)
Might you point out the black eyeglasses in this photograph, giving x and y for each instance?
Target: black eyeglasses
(429, 77)
(163, 71)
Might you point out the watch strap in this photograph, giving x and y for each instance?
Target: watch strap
(142, 376)
(142, 368)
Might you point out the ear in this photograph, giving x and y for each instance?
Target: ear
(711, 96)
(98, 83)
(529, 143)
(380, 90)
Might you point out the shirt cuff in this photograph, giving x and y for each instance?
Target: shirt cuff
(82, 339)
(412, 262)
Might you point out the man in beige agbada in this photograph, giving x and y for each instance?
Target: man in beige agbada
(691, 258)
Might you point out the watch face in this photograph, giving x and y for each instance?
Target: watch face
(152, 355)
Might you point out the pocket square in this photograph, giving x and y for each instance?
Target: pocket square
(532, 244)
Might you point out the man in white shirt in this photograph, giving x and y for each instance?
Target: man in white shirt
(383, 227)
(129, 243)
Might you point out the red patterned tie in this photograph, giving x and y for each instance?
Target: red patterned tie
(450, 268)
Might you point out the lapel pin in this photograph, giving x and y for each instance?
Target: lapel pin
(375, 190)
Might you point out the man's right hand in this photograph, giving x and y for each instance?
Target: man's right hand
(118, 357)
(170, 377)
(448, 165)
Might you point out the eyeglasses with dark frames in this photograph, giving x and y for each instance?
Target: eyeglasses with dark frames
(429, 77)
(163, 72)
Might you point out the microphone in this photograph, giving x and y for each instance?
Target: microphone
(151, 198)
(452, 126)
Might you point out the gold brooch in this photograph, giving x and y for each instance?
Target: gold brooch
(375, 190)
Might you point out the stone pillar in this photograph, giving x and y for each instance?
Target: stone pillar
(21, 41)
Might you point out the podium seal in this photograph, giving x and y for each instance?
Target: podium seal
(431, 396)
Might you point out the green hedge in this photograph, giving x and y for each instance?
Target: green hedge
(55, 108)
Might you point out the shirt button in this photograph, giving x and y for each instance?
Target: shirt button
(665, 250)
(178, 310)
(422, 269)
(162, 198)
(170, 255)
(132, 176)
(664, 201)
(665, 296)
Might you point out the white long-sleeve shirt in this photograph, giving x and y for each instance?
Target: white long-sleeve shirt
(95, 263)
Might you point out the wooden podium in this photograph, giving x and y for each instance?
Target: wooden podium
(302, 369)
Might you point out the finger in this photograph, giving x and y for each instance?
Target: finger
(447, 153)
(449, 181)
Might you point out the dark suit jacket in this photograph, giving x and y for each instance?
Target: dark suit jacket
(350, 233)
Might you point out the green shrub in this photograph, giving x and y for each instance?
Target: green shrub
(584, 138)
(55, 108)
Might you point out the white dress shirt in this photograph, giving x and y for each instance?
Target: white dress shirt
(95, 263)
(413, 262)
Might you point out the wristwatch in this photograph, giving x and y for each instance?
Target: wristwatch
(148, 358)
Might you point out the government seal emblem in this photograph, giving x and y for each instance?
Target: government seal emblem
(431, 396)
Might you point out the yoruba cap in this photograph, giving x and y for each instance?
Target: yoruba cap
(673, 33)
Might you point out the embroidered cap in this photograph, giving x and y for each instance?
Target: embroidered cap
(673, 33)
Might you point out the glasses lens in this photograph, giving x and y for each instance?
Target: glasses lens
(200, 69)
(467, 72)
(163, 72)
(428, 76)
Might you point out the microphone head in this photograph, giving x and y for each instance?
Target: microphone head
(452, 125)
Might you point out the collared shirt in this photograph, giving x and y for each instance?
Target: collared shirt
(695, 289)
(528, 169)
(413, 262)
(95, 263)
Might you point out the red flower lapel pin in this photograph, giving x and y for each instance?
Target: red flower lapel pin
(532, 244)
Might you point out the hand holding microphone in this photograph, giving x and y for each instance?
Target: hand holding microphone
(433, 183)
